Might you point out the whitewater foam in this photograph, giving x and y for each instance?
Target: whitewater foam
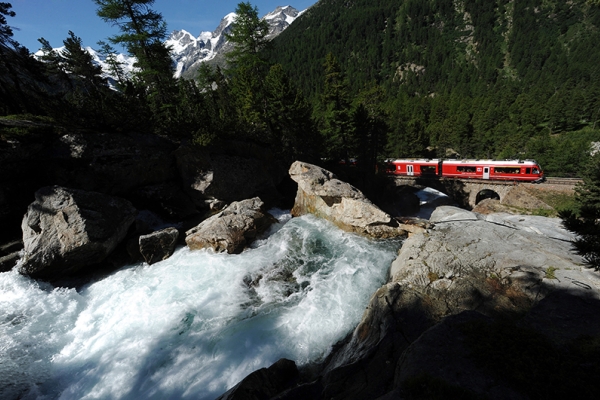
(191, 326)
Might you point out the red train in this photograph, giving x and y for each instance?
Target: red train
(508, 170)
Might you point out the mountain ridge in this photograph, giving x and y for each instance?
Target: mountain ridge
(188, 52)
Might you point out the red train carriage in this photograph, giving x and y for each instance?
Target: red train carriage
(513, 170)
(414, 167)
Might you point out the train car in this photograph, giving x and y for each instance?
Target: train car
(414, 167)
(508, 170)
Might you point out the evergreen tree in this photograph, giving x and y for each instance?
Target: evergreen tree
(586, 223)
(222, 118)
(6, 32)
(247, 67)
(288, 116)
(114, 66)
(335, 114)
(143, 32)
(79, 62)
(53, 61)
(371, 128)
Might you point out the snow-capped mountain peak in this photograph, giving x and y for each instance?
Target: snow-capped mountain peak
(188, 51)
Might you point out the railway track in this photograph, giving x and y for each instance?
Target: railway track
(548, 181)
(562, 181)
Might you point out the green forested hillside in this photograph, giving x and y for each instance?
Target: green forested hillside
(473, 78)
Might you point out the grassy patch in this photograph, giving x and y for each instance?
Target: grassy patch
(557, 200)
(14, 127)
(433, 276)
(550, 273)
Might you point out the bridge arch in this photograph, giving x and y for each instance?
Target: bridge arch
(486, 194)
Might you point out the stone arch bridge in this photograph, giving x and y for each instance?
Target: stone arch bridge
(469, 192)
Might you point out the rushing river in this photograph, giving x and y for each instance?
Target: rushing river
(191, 326)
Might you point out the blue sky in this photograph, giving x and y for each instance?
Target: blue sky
(53, 19)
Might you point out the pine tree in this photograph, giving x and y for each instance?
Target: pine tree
(53, 61)
(290, 127)
(335, 114)
(79, 62)
(6, 32)
(143, 32)
(586, 222)
(371, 128)
(247, 67)
(115, 67)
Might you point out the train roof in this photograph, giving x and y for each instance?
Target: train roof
(465, 161)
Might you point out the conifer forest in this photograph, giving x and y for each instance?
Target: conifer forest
(359, 79)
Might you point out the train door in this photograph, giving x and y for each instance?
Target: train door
(409, 170)
(486, 172)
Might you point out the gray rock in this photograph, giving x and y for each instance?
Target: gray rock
(549, 227)
(67, 230)
(9, 255)
(450, 213)
(264, 383)
(565, 316)
(111, 163)
(9, 261)
(166, 199)
(322, 194)
(232, 229)
(493, 265)
(441, 353)
(499, 245)
(158, 246)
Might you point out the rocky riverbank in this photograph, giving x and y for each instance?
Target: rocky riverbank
(476, 306)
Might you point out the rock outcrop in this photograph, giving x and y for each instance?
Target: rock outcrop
(473, 305)
(497, 265)
(159, 245)
(232, 229)
(67, 230)
(322, 194)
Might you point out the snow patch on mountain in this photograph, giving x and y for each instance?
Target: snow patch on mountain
(188, 51)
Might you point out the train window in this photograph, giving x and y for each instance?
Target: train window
(528, 170)
(536, 171)
(507, 170)
(463, 168)
(427, 169)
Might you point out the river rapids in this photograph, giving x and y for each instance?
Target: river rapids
(191, 326)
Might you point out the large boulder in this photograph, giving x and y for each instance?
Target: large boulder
(67, 230)
(322, 194)
(231, 229)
